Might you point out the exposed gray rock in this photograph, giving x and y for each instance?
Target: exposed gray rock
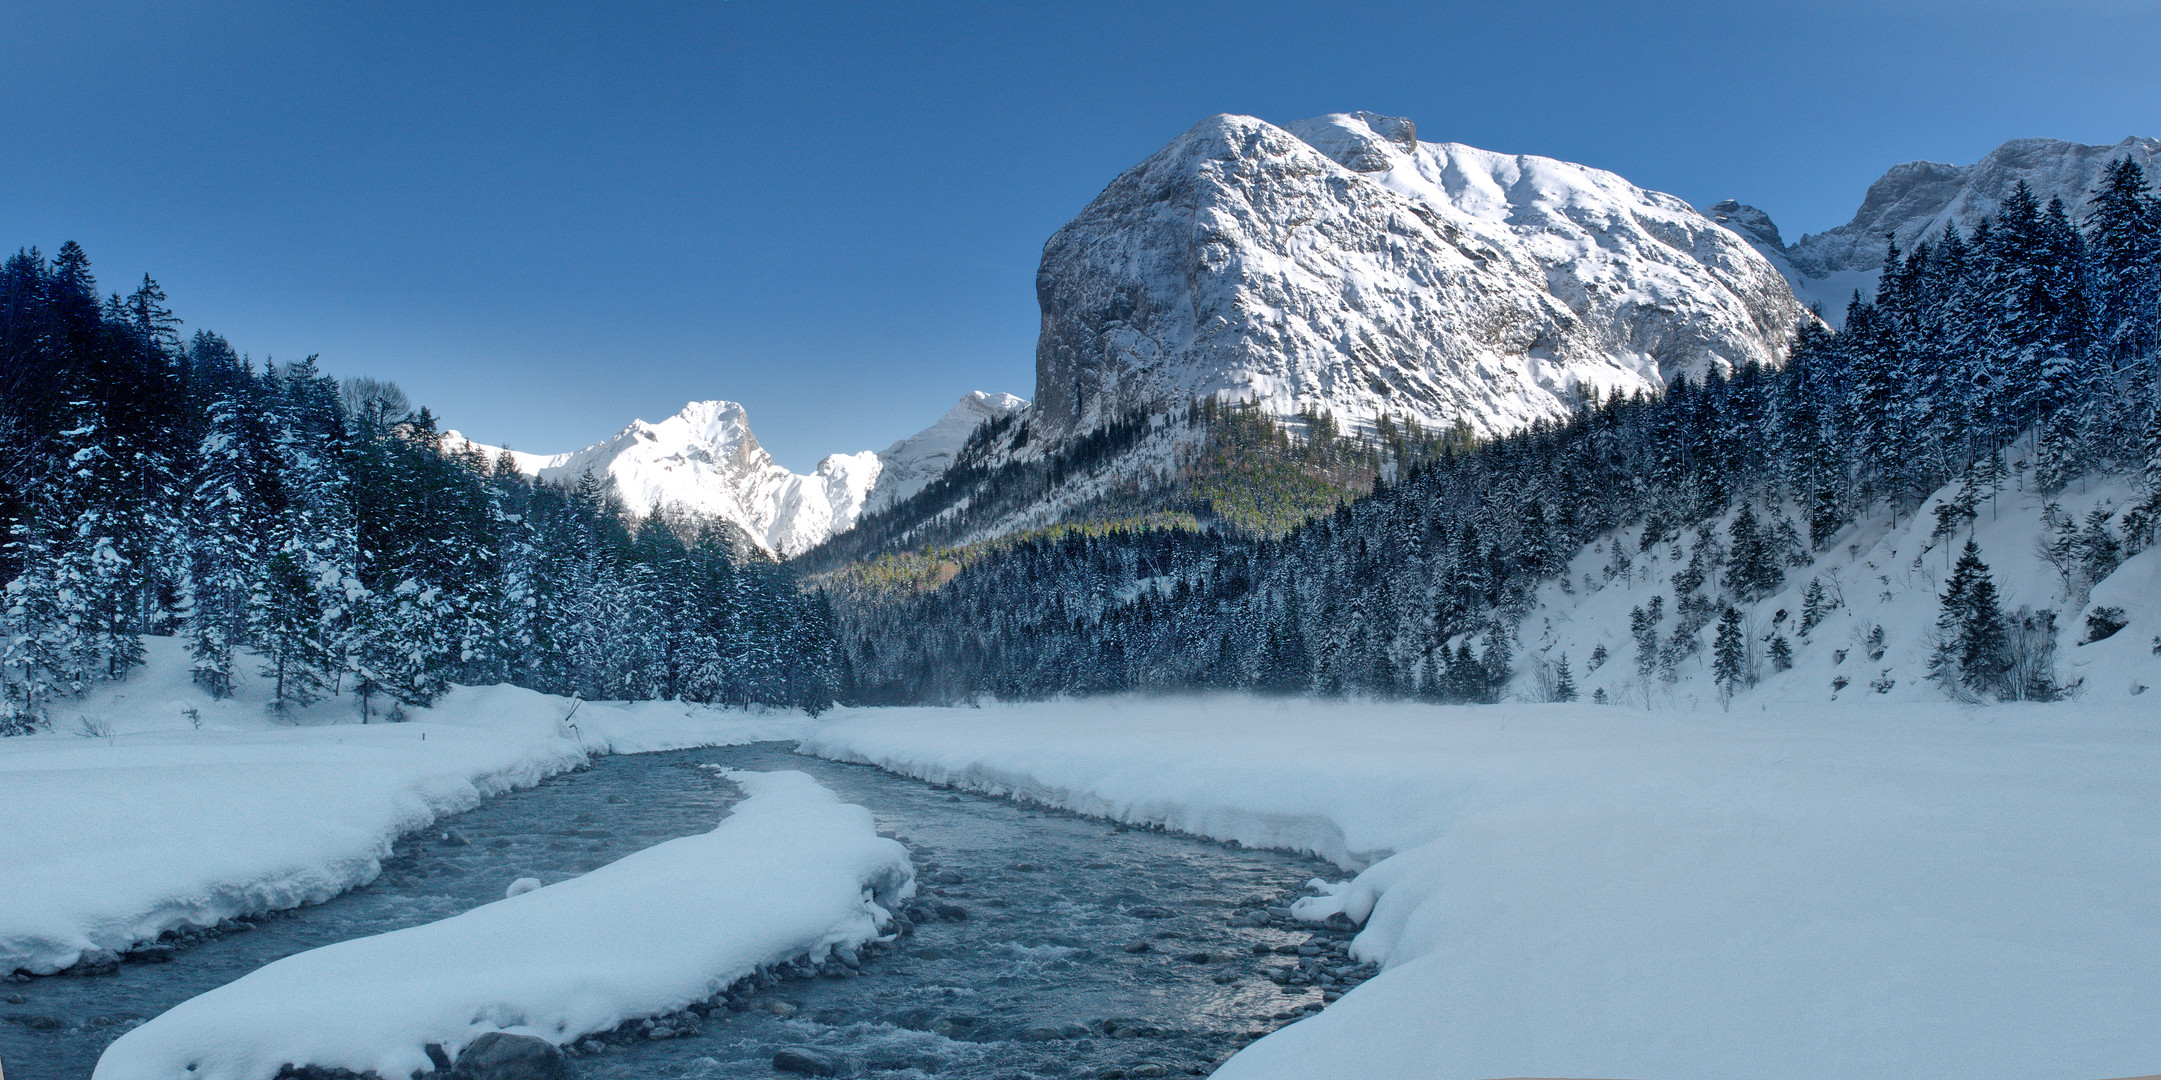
(1754, 225)
(97, 962)
(805, 1062)
(499, 1055)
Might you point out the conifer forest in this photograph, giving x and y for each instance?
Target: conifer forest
(157, 483)
(270, 514)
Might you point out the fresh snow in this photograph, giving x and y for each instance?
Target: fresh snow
(1341, 263)
(1881, 576)
(1858, 889)
(145, 823)
(704, 461)
(791, 871)
(912, 463)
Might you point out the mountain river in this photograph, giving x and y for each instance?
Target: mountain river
(1046, 944)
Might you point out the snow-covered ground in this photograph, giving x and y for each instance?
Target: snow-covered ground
(1881, 582)
(1867, 888)
(130, 820)
(792, 870)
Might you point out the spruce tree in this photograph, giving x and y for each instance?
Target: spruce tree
(1564, 681)
(2123, 229)
(1729, 656)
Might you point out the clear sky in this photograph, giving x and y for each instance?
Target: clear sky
(546, 219)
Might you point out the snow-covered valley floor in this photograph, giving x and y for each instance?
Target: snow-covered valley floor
(157, 809)
(1040, 953)
(1844, 889)
(1848, 890)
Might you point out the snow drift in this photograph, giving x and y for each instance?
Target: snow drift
(146, 824)
(792, 870)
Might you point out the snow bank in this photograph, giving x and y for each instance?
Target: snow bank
(1791, 891)
(792, 870)
(156, 825)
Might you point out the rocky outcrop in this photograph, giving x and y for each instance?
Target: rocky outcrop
(1340, 264)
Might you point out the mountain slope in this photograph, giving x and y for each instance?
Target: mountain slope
(1914, 201)
(1339, 264)
(913, 462)
(704, 461)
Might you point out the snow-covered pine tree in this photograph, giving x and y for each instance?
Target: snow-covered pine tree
(1729, 656)
(236, 495)
(1564, 681)
(2123, 229)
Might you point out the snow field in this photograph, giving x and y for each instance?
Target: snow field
(1859, 889)
(791, 871)
(156, 825)
(1878, 575)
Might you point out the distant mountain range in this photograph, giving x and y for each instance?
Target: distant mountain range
(705, 461)
(1914, 201)
(1335, 266)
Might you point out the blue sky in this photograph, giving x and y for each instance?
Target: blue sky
(544, 220)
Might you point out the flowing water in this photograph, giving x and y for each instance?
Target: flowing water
(1048, 945)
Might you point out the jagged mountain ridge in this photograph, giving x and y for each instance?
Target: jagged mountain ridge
(706, 462)
(1912, 203)
(1340, 264)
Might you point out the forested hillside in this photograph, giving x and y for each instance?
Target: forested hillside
(2023, 355)
(270, 515)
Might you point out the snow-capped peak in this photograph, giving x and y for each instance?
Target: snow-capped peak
(1342, 263)
(705, 461)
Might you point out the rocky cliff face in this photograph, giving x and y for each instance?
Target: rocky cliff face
(1341, 264)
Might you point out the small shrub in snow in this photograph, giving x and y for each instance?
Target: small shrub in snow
(2102, 624)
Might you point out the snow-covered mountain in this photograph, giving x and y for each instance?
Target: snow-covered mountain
(1912, 202)
(915, 461)
(705, 461)
(1340, 264)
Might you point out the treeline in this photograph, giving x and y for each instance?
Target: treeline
(1209, 464)
(268, 514)
(2036, 327)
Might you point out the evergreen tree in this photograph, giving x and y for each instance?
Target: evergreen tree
(1972, 651)
(235, 495)
(1564, 681)
(1729, 656)
(2123, 226)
